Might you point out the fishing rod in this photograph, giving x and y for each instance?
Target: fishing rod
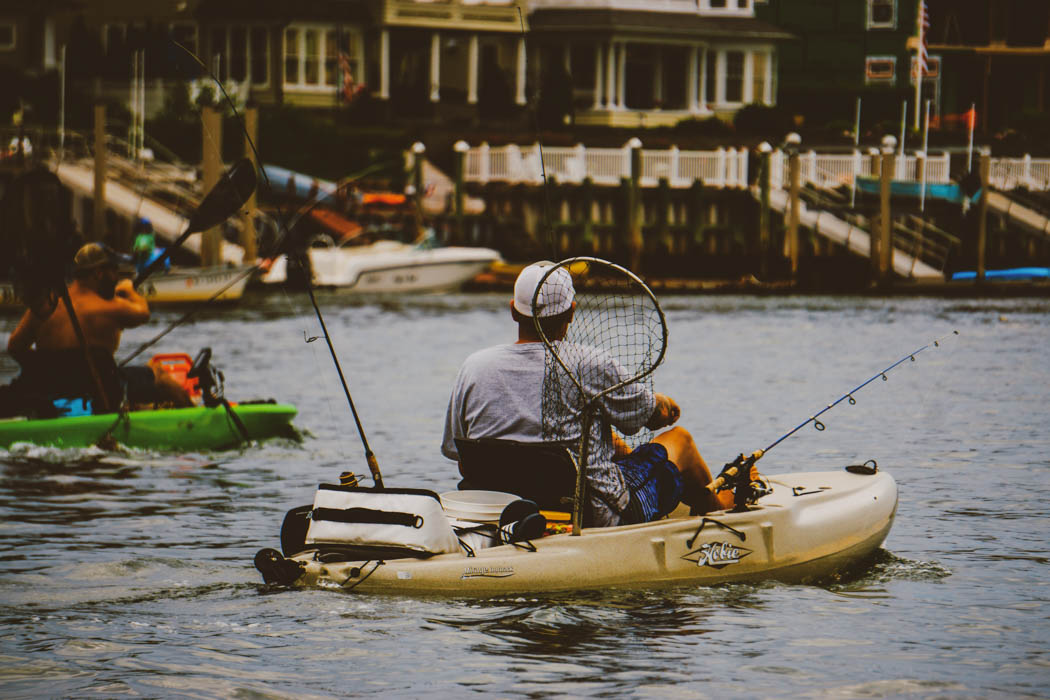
(278, 250)
(738, 472)
(370, 458)
(539, 144)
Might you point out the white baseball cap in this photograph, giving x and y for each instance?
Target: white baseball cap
(554, 298)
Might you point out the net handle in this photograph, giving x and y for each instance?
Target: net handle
(549, 344)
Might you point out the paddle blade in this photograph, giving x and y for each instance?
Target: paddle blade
(226, 197)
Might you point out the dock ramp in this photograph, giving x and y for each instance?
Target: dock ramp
(854, 236)
(1027, 217)
(127, 203)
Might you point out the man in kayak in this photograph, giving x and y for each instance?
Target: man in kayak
(498, 394)
(105, 302)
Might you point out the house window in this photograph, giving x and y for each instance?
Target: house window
(291, 56)
(114, 35)
(311, 57)
(259, 55)
(238, 47)
(7, 36)
(331, 57)
(933, 68)
(880, 70)
(882, 14)
(759, 77)
(734, 76)
(220, 63)
(733, 7)
(353, 51)
(241, 54)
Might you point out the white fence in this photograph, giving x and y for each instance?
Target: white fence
(1028, 172)
(831, 170)
(720, 167)
(606, 166)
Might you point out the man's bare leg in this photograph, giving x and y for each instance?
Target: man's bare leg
(682, 450)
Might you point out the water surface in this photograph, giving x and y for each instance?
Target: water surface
(129, 574)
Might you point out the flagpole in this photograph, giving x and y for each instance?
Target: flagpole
(925, 157)
(856, 157)
(971, 120)
(918, 60)
(904, 125)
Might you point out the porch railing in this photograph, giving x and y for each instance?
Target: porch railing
(606, 166)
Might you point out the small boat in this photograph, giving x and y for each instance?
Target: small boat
(811, 526)
(1022, 274)
(180, 285)
(196, 428)
(185, 285)
(947, 191)
(213, 424)
(392, 267)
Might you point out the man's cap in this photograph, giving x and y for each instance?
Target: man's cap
(555, 297)
(95, 255)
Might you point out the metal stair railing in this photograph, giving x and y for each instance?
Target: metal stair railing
(918, 239)
(923, 241)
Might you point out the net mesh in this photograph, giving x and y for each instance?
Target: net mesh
(604, 362)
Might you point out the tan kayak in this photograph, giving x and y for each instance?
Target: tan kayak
(811, 526)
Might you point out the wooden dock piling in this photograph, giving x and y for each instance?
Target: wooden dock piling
(98, 219)
(211, 165)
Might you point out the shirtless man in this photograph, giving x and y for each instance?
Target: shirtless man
(105, 304)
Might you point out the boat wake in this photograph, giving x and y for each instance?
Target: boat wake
(884, 567)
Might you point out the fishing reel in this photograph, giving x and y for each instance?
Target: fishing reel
(209, 379)
(746, 483)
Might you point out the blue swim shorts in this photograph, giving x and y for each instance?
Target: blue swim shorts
(654, 482)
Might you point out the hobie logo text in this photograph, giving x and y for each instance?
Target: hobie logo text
(717, 554)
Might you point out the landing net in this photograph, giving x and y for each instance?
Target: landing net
(600, 372)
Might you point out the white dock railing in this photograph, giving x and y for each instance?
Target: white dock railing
(1028, 172)
(831, 170)
(726, 168)
(606, 166)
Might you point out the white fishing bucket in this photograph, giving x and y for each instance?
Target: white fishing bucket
(476, 506)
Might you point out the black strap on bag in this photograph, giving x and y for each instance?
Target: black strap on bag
(368, 515)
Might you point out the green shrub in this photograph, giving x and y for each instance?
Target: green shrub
(762, 121)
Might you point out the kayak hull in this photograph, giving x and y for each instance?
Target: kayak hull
(813, 525)
(197, 428)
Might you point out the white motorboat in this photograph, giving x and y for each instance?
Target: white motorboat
(390, 266)
(811, 526)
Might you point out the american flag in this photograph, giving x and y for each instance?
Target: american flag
(924, 28)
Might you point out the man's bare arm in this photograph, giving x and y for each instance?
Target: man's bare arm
(130, 308)
(20, 344)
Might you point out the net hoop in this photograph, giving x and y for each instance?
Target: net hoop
(549, 344)
(590, 405)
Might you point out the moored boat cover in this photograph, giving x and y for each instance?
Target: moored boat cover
(410, 519)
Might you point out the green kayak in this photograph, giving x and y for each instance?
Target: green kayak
(198, 428)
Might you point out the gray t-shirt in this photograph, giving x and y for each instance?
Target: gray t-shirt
(498, 393)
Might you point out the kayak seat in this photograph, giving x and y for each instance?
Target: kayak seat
(538, 471)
